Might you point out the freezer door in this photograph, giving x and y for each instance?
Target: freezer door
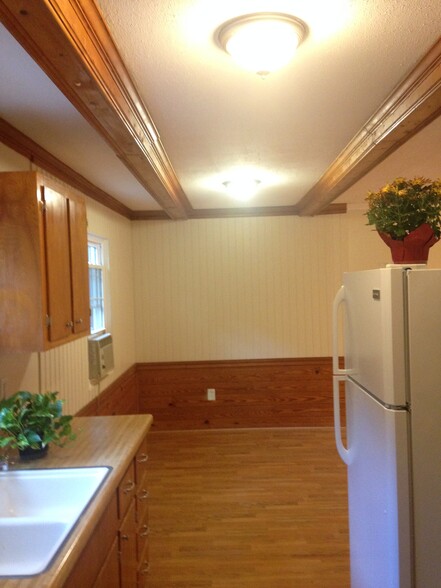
(374, 332)
(378, 492)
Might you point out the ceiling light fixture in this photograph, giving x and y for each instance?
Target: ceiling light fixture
(262, 42)
(242, 188)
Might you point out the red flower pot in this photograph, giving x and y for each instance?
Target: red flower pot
(414, 248)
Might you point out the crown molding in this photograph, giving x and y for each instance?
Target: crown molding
(206, 213)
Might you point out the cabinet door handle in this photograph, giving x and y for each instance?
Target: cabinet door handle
(142, 458)
(129, 487)
(145, 568)
(79, 321)
(125, 537)
(69, 324)
(143, 495)
(145, 531)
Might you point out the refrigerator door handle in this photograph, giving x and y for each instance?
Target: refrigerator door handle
(338, 300)
(342, 450)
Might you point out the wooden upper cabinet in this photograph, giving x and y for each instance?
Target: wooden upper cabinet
(58, 274)
(79, 266)
(44, 286)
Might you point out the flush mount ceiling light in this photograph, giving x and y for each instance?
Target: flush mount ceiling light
(262, 42)
(242, 188)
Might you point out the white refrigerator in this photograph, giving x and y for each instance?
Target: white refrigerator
(387, 326)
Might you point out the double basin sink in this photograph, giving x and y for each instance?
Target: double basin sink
(38, 510)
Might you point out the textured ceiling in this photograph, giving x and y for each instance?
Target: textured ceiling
(213, 117)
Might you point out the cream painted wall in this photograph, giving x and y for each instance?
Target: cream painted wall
(65, 368)
(239, 288)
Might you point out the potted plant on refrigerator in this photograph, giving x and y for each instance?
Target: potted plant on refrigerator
(407, 216)
(29, 422)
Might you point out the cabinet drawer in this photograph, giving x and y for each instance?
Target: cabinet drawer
(141, 461)
(126, 491)
(142, 501)
(142, 537)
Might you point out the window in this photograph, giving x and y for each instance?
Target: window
(97, 284)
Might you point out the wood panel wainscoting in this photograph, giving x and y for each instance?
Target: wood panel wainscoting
(120, 397)
(249, 393)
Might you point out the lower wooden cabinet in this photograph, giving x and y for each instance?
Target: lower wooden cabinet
(94, 557)
(109, 575)
(127, 549)
(116, 555)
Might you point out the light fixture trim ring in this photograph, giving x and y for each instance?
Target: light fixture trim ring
(228, 28)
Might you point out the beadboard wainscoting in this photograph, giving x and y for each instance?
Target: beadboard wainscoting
(249, 393)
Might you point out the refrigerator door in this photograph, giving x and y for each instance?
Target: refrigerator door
(378, 492)
(424, 294)
(374, 333)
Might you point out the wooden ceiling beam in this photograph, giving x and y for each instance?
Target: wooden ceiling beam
(71, 43)
(412, 105)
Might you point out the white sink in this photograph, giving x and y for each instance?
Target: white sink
(38, 509)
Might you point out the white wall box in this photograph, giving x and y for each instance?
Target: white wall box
(101, 360)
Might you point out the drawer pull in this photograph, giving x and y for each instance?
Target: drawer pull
(143, 495)
(129, 487)
(145, 531)
(142, 458)
(145, 568)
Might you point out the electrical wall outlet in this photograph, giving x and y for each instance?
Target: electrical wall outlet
(211, 394)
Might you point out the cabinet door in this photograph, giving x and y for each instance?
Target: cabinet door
(109, 574)
(22, 300)
(97, 558)
(127, 549)
(57, 246)
(79, 266)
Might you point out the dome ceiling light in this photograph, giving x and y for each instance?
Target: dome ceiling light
(262, 42)
(242, 188)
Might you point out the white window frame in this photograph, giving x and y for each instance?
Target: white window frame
(104, 267)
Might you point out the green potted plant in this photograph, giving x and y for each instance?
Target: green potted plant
(29, 422)
(407, 215)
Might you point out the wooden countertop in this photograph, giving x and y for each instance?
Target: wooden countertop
(101, 441)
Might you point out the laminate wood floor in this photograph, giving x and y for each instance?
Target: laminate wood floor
(254, 508)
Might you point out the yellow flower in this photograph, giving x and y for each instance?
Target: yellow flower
(403, 205)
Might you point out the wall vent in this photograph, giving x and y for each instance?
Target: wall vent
(101, 360)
